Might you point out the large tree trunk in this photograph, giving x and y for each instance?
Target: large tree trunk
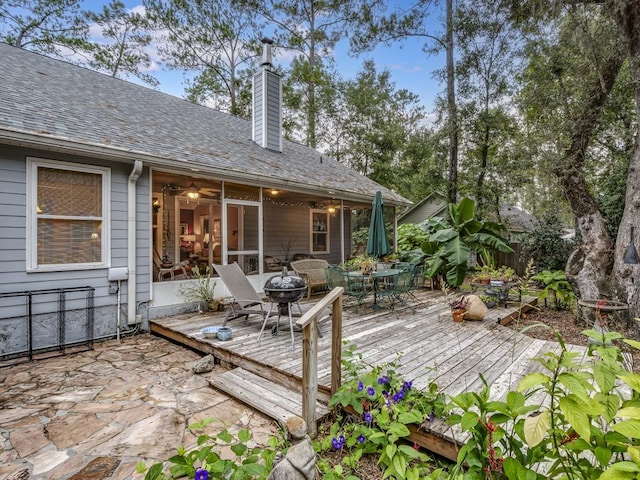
(589, 266)
(452, 193)
(627, 276)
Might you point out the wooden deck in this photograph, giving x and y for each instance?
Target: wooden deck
(432, 346)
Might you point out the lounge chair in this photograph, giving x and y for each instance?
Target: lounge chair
(246, 300)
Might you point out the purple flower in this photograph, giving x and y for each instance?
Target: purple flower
(202, 474)
(431, 416)
(361, 439)
(407, 385)
(335, 443)
(367, 417)
(383, 380)
(360, 386)
(371, 391)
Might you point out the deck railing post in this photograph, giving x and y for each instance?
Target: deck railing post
(336, 345)
(310, 375)
(309, 324)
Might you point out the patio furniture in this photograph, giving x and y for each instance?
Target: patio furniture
(311, 270)
(353, 287)
(272, 264)
(283, 290)
(246, 300)
(170, 269)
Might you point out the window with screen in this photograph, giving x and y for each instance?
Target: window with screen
(67, 209)
(319, 231)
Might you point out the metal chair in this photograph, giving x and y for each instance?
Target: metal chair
(354, 286)
(402, 285)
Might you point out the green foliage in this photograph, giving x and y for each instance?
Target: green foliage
(545, 245)
(219, 41)
(202, 290)
(411, 237)
(556, 283)
(249, 463)
(125, 50)
(451, 242)
(51, 27)
(587, 428)
(382, 407)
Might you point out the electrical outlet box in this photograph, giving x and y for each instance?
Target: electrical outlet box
(113, 289)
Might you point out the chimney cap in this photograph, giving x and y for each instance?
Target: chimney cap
(267, 40)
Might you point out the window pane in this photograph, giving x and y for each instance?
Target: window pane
(69, 241)
(67, 192)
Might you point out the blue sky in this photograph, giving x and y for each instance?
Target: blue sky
(409, 66)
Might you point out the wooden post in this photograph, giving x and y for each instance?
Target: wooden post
(310, 375)
(309, 325)
(336, 346)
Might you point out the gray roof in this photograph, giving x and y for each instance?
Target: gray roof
(48, 103)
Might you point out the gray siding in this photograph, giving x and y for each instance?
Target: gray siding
(257, 108)
(427, 209)
(274, 114)
(14, 277)
(284, 224)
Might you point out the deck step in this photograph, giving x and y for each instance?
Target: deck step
(272, 399)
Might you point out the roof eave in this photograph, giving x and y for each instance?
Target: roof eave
(121, 155)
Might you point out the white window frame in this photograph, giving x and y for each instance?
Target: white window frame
(33, 164)
(311, 231)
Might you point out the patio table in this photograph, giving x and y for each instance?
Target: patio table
(376, 277)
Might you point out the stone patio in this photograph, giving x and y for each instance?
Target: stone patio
(96, 414)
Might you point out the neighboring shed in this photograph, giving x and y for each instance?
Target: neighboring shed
(433, 205)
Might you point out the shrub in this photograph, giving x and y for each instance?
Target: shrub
(381, 406)
(588, 428)
(206, 462)
(545, 245)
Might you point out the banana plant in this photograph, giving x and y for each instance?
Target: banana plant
(450, 242)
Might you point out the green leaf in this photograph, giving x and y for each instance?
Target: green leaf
(533, 380)
(573, 383)
(634, 453)
(391, 450)
(400, 464)
(410, 417)
(575, 415)
(469, 420)
(239, 449)
(535, 428)
(629, 412)
(629, 428)
(225, 436)
(603, 455)
(244, 435)
(632, 379)
(399, 429)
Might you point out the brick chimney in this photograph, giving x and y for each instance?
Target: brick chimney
(267, 103)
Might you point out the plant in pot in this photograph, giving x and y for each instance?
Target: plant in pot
(458, 308)
(489, 301)
(202, 290)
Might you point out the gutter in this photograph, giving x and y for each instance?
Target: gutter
(132, 241)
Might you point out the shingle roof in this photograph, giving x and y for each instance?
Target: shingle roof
(47, 101)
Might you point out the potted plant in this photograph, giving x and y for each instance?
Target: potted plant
(362, 263)
(458, 308)
(202, 290)
(488, 300)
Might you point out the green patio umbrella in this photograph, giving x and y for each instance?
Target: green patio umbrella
(377, 243)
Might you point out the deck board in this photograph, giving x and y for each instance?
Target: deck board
(432, 348)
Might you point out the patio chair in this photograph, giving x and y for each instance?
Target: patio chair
(170, 270)
(355, 287)
(246, 300)
(403, 283)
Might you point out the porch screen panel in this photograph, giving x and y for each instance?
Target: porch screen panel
(243, 240)
(69, 217)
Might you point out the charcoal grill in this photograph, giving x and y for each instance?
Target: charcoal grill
(282, 291)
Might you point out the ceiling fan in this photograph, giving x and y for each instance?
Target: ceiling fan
(193, 191)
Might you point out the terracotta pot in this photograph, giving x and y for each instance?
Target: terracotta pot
(458, 314)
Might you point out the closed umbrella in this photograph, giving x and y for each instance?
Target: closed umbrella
(377, 243)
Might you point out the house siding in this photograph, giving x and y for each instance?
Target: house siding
(274, 127)
(291, 223)
(13, 253)
(424, 211)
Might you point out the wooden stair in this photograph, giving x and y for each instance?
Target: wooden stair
(270, 398)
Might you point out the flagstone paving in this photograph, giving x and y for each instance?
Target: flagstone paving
(96, 414)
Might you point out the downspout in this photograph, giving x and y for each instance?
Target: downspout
(131, 241)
